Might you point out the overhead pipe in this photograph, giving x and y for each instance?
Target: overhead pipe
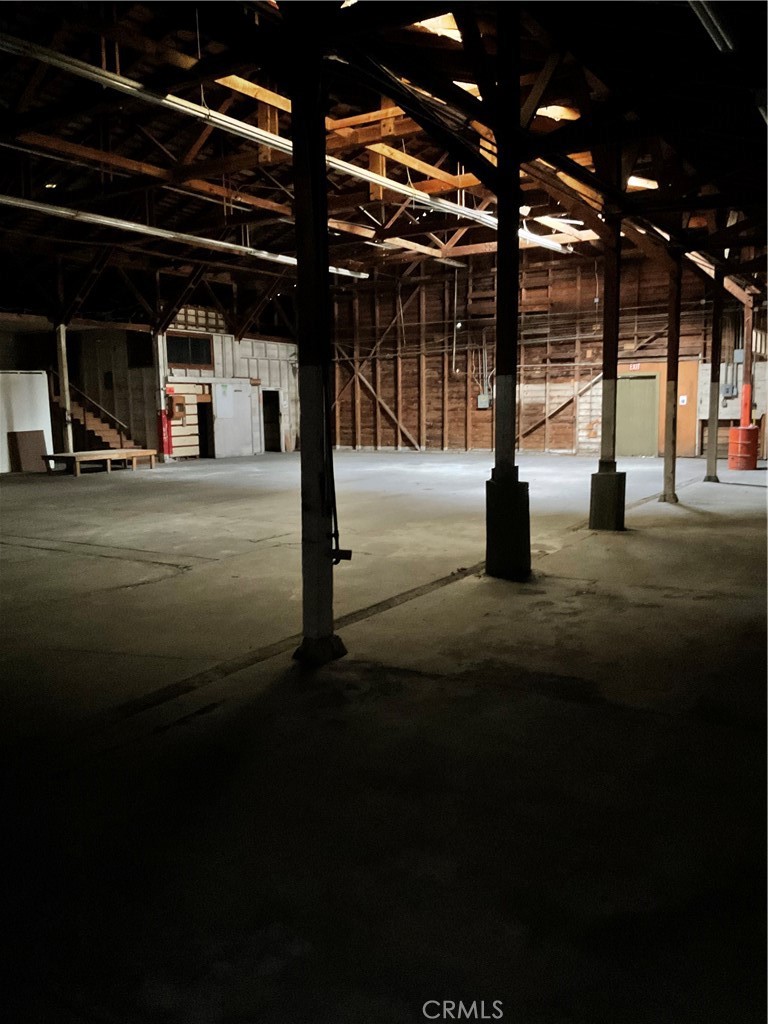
(101, 220)
(231, 125)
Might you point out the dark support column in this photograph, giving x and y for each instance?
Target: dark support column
(508, 530)
(160, 376)
(673, 358)
(746, 379)
(65, 399)
(714, 379)
(606, 505)
(320, 644)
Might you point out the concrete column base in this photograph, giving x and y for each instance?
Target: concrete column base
(671, 499)
(606, 503)
(711, 479)
(507, 530)
(317, 651)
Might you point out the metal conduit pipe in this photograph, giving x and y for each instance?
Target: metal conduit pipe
(67, 213)
(130, 87)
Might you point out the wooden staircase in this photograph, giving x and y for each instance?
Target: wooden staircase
(94, 428)
(100, 432)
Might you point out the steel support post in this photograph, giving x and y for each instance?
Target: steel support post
(65, 399)
(508, 530)
(714, 378)
(319, 644)
(606, 505)
(669, 494)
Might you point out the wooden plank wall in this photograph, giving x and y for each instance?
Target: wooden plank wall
(272, 362)
(131, 398)
(405, 378)
(185, 434)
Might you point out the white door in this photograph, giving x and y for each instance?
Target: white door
(232, 420)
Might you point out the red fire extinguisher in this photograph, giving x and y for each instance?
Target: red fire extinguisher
(164, 436)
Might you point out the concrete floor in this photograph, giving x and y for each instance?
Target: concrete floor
(549, 794)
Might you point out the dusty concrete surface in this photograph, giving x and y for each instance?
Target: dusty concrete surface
(547, 795)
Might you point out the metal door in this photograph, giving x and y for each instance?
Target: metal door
(232, 423)
(637, 416)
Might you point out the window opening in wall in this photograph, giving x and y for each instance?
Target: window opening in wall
(139, 350)
(189, 350)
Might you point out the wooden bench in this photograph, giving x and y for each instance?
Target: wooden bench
(107, 456)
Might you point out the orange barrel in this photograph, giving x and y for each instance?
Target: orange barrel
(742, 447)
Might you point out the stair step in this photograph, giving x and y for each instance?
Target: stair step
(99, 428)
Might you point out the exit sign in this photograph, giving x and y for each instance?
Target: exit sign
(634, 366)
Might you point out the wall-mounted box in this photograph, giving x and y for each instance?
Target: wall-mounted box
(483, 401)
(178, 407)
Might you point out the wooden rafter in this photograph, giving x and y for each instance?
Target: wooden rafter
(415, 164)
(205, 134)
(356, 120)
(533, 99)
(258, 307)
(89, 281)
(171, 311)
(116, 161)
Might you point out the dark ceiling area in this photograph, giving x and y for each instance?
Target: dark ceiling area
(146, 148)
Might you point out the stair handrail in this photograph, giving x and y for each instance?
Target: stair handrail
(95, 405)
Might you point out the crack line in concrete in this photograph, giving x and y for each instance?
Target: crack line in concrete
(107, 653)
(182, 687)
(123, 712)
(64, 547)
(60, 550)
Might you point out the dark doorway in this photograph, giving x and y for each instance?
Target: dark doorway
(205, 430)
(271, 406)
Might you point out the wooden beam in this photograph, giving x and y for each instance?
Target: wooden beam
(433, 187)
(415, 164)
(169, 314)
(205, 134)
(569, 198)
(402, 128)
(243, 160)
(358, 119)
(142, 301)
(455, 238)
(534, 97)
(400, 429)
(226, 314)
(259, 306)
(472, 41)
(475, 249)
(92, 276)
(648, 246)
(123, 163)
(378, 165)
(366, 361)
(255, 92)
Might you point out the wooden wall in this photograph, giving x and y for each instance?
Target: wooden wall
(272, 362)
(415, 349)
(125, 391)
